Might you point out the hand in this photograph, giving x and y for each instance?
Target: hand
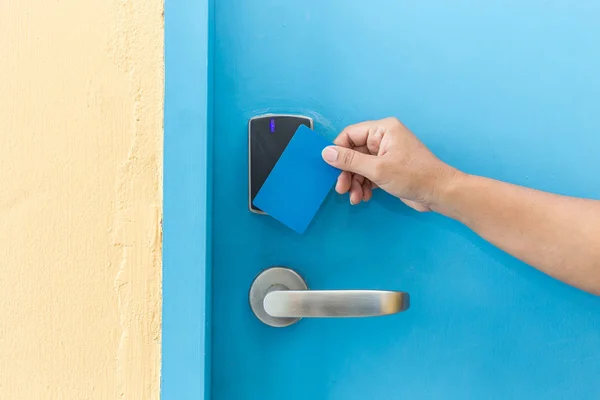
(387, 155)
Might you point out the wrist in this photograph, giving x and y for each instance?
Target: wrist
(447, 182)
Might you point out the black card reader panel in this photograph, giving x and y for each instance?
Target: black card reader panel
(268, 136)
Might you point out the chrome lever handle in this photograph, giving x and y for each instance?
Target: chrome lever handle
(280, 297)
(334, 303)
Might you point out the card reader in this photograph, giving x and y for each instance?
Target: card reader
(268, 136)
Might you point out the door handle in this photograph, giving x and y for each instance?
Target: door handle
(280, 297)
(334, 303)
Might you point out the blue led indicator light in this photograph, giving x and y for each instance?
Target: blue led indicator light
(272, 125)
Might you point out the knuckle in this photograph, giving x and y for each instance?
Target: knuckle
(373, 131)
(393, 121)
(348, 157)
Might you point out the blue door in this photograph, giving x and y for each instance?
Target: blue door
(505, 89)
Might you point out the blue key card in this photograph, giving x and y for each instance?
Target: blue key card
(299, 182)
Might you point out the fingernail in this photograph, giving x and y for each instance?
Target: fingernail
(330, 154)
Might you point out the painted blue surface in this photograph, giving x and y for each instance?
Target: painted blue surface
(508, 89)
(186, 220)
(299, 182)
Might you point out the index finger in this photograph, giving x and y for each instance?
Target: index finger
(355, 135)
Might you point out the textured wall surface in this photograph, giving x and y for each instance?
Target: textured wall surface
(81, 93)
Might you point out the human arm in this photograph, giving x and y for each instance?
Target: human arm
(558, 235)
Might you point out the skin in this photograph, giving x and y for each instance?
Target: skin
(558, 235)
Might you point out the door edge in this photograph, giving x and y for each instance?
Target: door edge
(187, 193)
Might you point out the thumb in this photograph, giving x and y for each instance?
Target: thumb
(350, 160)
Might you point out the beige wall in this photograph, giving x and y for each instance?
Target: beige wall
(81, 85)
